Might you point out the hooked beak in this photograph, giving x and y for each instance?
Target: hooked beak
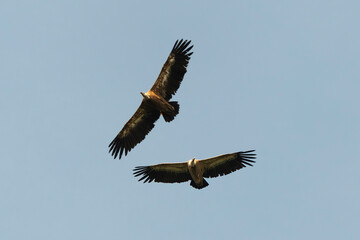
(143, 94)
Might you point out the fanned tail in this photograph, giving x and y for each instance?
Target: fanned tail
(200, 186)
(168, 117)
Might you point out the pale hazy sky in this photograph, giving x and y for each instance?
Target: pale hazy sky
(281, 77)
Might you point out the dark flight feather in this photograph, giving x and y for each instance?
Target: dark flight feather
(173, 71)
(166, 173)
(135, 130)
(227, 163)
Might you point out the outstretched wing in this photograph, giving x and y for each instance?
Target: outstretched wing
(135, 130)
(227, 163)
(173, 71)
(166, 173)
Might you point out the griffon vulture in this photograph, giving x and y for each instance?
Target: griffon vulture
(195, 170)
(155, 101)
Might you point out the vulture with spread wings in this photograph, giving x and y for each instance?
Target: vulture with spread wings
(195, 170)
(155, 102)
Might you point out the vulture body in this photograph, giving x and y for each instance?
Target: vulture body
(195, 170)
(155, 102)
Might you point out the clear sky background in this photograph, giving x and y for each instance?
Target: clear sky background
(281, 77)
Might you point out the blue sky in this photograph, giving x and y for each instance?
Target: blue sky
(281, 77)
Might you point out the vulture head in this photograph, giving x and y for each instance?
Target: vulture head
(144, 95)
(191, 163)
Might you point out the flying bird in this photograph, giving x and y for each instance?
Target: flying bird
(195, 170)
(155, 101)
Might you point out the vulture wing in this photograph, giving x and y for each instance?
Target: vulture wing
(227, 163)
(165, 172)
(173, 71)
(135, 130)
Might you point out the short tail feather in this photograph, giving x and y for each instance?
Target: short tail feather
(204, 184)
(170, 117)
